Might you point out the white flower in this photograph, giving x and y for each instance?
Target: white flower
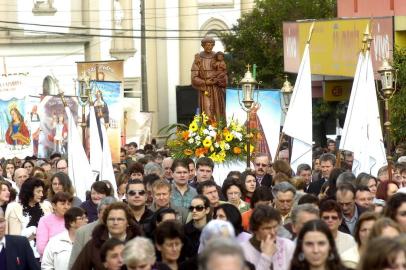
(212, 133)
(197, 138)
(197, 143)
(227, 146)
(191, 140)
(192, 134)
(238, 135)
(216, 144)
(206, 132)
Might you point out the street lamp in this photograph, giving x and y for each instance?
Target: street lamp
(388, 77)
(248, 85)
(84, 99)
(286, 94)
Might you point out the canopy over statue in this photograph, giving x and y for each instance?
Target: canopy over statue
(209, 77)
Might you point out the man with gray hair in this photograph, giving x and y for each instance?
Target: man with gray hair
(222, 254)
(284, 196)
(301, 214)
(152, 167)
(84, 233)
(346, 177)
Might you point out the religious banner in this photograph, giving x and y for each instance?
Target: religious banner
(15, 133)
(107, 98)
(53, 127)
(265, 117)
(107, 91)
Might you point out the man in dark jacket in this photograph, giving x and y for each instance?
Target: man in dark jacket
(261, 165)
(15, 251)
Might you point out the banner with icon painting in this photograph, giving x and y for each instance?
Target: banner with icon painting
(15, 132)
(52, 135)
(107, 91)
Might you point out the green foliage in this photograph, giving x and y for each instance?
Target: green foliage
(397, 103)
(258, 36)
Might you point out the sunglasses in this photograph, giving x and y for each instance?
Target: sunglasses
(330, 217)
(199, 208)
(261, 165)
(136, 192)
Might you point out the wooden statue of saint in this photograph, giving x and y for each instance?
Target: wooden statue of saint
(209, 77)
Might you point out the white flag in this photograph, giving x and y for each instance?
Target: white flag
(298, 122)
(362, 133)
(96, 152)
(107, 171)
(100, 155)
(79, 169)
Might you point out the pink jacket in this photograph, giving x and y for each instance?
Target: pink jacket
(48, 226)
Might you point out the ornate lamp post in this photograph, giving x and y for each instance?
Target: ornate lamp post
(248, 85)
(84, 99)
(286, 94)
(388, 76)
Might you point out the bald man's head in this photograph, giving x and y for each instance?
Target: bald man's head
(20, 175)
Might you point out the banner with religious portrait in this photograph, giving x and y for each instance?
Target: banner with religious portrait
(265, 117)
(106, 82)
(52, 135)
(107, 98)
(15, 133)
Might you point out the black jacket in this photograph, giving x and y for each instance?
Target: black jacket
(19, 254)
(343, 226)
(266, 181)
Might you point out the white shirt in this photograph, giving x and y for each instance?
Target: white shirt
(2, 243)
(57, 252)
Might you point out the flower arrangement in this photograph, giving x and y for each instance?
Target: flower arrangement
(206, 137)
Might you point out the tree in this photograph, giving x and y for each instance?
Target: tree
(257, 38)
(397, 103)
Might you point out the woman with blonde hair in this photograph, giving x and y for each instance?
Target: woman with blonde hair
(139, 253)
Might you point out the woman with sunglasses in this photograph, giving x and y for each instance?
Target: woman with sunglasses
(200, 210)
(396, 210)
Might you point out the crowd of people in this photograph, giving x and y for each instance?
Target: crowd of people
(170, 214)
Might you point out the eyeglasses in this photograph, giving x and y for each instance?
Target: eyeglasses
(82, 218)
(136, 192)
(330, 217)
(199, 208)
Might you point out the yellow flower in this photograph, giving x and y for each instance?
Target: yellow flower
(207, 142)
(251, 148)
(218, 157)
(193, 126)
(188, 152)
(229, 137)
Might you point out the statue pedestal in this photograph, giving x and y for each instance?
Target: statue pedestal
(222, 169)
